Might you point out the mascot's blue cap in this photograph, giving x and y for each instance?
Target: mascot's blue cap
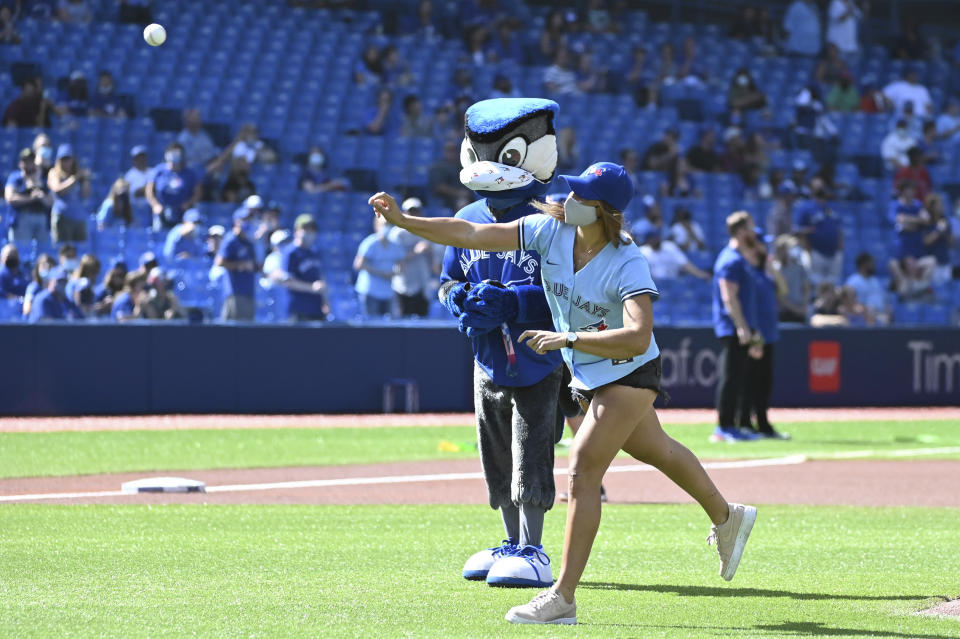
(489, 116)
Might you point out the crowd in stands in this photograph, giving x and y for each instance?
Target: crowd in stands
(846, 143)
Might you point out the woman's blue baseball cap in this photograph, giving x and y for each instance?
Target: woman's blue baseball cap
(603, 181)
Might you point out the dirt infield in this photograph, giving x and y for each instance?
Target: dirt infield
(667, 416)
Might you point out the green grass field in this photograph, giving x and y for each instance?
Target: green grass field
(394, 571)
(77, 453)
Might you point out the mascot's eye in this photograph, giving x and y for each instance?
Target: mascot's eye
(514, 153)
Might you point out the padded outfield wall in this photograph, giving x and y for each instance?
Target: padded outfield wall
(162, 368)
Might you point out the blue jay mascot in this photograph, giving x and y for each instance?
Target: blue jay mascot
(509, 157)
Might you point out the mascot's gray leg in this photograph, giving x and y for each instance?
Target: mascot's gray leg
(494, 409)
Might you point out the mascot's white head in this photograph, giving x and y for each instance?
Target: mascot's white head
(509, 151)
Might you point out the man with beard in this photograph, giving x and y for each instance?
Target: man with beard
(734, 322)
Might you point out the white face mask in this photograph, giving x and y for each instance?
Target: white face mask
(577, 214)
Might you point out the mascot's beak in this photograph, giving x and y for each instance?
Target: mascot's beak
(492, 176)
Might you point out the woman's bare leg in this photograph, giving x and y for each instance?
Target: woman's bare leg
(649, 444)
(609, 422)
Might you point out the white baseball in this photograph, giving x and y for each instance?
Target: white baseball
(155, 35)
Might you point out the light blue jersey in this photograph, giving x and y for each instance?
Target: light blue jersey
(592, 298)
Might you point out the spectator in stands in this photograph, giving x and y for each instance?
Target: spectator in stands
(630, 161)
(869, 291)
(830, 67)
(238, 186)
(909, 89)
(780, 218)
(13, 283)
(667, 69)
(162, 303)
(666, 260)
(641, 79)
(938, 239)
(652, 220)
(38, 280)
(132, 302)
(568, 150)
(872, 99)
(70, 186)
(680, 181)
(910, 220)
(794, 278)
(213, 240)
(820, 233)
(250, 147)
(503, 87)
(116, 207)
(894, 147)
(835, 306)
(560, 78)
(396, 72)
(137, 177)
(756, 162)
(196, 144)
(916, 172)
(814, 126)
(691, 72)
(109, 288)
(686, 232)
(238, 256)
(135, 12)
(52, 303)
(910, 46)
(802, 25)
(843, 96)
(843, 19)
(173, 189)
(31, 108)
(105, 102)
(913, 278)
(733, 159)
(379, 119)
(414, 123)
(929, 145)
(44, 154)
(376, 262)
(444, 179)
(28, 200)
(183, 240)
(553, 38)
(87, 271)
(300, 273)
(703, 156)
(591, 76)
(74, 11)
(274, 259)
(369, 68)
(914, 123)
(948, 124)
(315, 178)
(8, 24)
(662, 155)
(75, 100)
(269, 222)
(415, 269)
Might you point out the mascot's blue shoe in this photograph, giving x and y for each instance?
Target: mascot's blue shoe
(480, 563)
(527, 567)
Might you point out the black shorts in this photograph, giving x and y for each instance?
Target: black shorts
(647, 376)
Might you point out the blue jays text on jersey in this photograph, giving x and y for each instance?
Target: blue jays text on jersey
(512, 268)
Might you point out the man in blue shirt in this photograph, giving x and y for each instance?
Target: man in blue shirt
(300, 273)
(52, 303)
(819, 229)
(174, 189)
(183, 240)
(734, 321)
(802, 24)
(238, 257)
(13, 283)
(29, 201)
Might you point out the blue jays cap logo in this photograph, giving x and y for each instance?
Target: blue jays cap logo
(595, 170)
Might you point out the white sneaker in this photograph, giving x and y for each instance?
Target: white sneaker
(731, 537)
(480, 563)
(525, 567)
(547, 607)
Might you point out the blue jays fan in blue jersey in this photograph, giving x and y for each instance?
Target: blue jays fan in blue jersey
(509, 156)
(601, 295)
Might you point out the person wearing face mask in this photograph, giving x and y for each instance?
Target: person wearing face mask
(29, 200)
(184, 241)
(238, 257)
(743, 94)
(734, 322)
(116, 208)
(13, 283)
(70, 186)
(869, 290)
(375, 262)
(67, 257)
(315, 178)
(38, 280)
(52, 303)
(600, 295)
(174, 188)
(44, 154)
(300, 273)
(894, 147)
(818, 228)
(105, 102)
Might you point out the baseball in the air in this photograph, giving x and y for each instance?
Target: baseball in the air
(154, 34)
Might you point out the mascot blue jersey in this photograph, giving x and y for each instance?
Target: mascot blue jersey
(512, 268)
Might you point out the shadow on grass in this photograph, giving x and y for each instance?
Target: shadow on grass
(709, 591)
(787, 629)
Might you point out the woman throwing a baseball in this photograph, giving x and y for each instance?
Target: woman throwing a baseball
(600, 294)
